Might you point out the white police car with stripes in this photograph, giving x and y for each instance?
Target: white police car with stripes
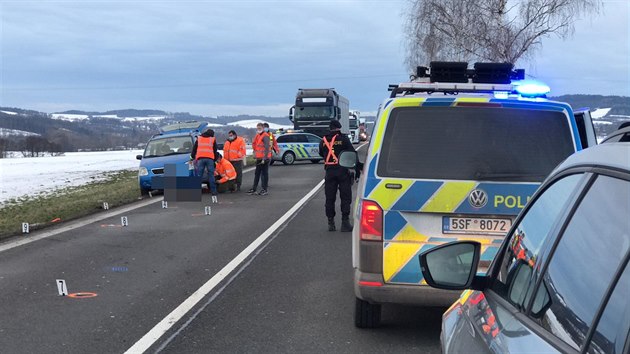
(297, 146)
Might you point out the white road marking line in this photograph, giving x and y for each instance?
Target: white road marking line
(172, 318)
(20, 241)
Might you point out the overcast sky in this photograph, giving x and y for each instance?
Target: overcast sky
(249, 57)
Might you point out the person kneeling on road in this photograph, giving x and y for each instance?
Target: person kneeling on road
(225, 175)
(337, 177)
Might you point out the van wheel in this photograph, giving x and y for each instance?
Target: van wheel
(366, 315)
(315, 161)
(288, 158)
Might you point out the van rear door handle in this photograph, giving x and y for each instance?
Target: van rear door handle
(393, 186)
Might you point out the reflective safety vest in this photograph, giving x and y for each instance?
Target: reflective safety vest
(331, 158)
(205, 148)
(225, 170)
(234, 150)
(259, 146)
(274, 143)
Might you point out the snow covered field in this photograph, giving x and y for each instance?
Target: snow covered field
(35, 175)
(32, 176)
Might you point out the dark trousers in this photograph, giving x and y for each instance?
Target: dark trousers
(262, 172)
(226, 186)
(338, 178)
(238, 167)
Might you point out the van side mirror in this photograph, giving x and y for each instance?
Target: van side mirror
(138, 157)
(348, 159)
(451, 266)
(291, 112)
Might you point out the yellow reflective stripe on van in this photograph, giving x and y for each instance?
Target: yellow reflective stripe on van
(472, 99)
(386, 197)
(379, 131)
(448, 197)
(409, 234)
(396, 255)
(408, 102)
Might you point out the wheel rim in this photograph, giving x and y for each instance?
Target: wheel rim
(289, 158)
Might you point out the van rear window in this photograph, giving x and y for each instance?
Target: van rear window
(474, 143)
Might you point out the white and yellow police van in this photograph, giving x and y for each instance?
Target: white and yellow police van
(455, 155)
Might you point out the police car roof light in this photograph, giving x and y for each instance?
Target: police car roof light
(494, 73)
(449, 71)
(531, 88)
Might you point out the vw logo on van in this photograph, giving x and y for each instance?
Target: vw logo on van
(478, 198)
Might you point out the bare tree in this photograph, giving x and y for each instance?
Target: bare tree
(487, 30)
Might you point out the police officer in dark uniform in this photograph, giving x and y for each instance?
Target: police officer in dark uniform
(337, 177)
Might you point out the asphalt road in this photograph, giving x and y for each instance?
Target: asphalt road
(293, 295)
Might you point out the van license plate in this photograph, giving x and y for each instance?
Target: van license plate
(455, 225)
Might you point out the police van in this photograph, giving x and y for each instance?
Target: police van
(296, 145)
(455, 155)
(172, 145)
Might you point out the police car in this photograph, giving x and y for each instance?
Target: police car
(172, 145)
(297, 146)
(560, 281)
(454, 155)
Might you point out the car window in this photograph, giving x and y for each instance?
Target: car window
(614, 325)
(513, 277)
(286, 139)
(313, 139)
(300, 138)
(474, 143)
(581, 268)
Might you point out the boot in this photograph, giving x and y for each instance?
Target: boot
(346, 226)
(331, 224)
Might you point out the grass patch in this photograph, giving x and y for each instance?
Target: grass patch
(117, 189)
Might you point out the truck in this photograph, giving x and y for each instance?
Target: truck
(354, 126)
(314, 109)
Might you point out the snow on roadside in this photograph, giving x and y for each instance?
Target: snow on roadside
(21, 177)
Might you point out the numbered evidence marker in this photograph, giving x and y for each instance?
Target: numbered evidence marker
(61, 287)
(164, 204)
(208, 210)
(25, 228)
(105, 206)
(124, 221)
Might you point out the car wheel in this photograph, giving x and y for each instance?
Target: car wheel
(366, 315)
(144, 192)
(288, 158)
(315, 161)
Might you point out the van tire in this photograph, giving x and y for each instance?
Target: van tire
(288, 158)
(366, 315)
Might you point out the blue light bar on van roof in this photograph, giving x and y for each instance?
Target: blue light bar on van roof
(530, 88)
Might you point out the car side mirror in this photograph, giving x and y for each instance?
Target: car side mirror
(291, 112)
(348, 159)
(138, 157)
(451, 266)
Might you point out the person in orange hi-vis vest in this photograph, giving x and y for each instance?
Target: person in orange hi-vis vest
(225, 175)
(235, 152)
(262, 153)
(204, 151)
(272, 138)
